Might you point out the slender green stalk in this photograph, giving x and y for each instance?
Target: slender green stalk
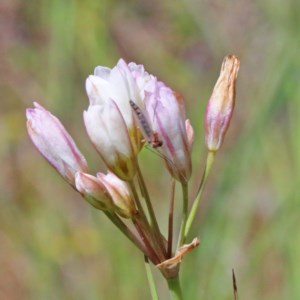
(209, 162)
(185, 197)
(142, 232)
(138, 202)
(174, 288)
(170, 225)
(148, 230)
(151, 281)
(153, 221)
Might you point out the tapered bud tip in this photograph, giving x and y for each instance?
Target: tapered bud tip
(86, 183)
(122, 63)
(37, 105)
(120, 192)
(93, 190)
(230, 65)
(32, 113)
(92, 89)
(221, 104)
(80, 182)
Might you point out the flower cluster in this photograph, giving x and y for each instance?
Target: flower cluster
(129, 108)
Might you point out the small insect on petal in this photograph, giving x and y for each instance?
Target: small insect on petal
(151, 136)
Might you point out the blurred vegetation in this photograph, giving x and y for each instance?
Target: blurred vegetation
(53, 246)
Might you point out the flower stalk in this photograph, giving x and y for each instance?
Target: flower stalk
(209, 162)
(153, 221)
(142, 220)
(140, 227)
(185, 198)
(170, 221)
(151, 281)
(175, 288)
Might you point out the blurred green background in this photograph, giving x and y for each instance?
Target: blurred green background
(53, 245)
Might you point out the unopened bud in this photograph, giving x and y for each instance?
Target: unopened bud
(54, 143)
(93, 191)
(120, 193)
(221, 103)
(166, 112)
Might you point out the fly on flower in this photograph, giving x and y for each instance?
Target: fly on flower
(151, 136)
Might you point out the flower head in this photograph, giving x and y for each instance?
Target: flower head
(54, 143)
(109, 120)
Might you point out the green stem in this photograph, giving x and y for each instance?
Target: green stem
(170, 223)
(148, 230)
(141, 230)
(209, 162)
(185, 197)
(151, 282)
(153, 221)
(174, 288)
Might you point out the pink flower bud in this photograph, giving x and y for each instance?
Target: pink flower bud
(166, 113)
(93, 190)
(54, 143)
(108, 132)
(221, 103)
(120, 194)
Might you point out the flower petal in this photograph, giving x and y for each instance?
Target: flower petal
(54, 143)
(108, 132)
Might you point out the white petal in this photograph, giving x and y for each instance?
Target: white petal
(97, 90)
(107, 131)
(98, 134)
(102, 72)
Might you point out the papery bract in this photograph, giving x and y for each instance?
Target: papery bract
(221, 104)
(54, 143)
(121, 195)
